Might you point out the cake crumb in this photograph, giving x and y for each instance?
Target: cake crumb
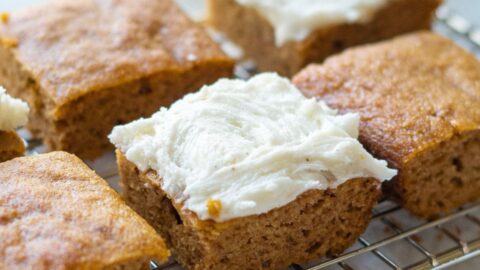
(9, 42)
(4, 17)
(214, 207)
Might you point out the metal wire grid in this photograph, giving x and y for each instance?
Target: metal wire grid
(461, 228)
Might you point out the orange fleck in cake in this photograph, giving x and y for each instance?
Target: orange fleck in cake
(284, 36)
(56, 213)
(13, 114)
(419, 101)
(249, 175)
(86, 66)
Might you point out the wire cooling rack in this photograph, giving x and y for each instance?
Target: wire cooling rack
(394, 239)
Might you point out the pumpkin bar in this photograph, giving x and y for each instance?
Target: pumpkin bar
(419, 101)
(249, 175)
(341, 24)
(86, 66)
(56, 213)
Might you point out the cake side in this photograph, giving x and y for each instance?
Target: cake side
(418, 97)
(317, 223)
(58, 214)
(395, 18)
(255, 34)
(440, 179)
(11, 145)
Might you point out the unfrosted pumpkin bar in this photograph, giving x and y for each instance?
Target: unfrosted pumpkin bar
(56, 213)
(13, 114)
(249, 175)
(284, 36)
(419, 101)
(85, 66)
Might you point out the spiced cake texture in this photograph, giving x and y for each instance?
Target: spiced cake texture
(246, 27)
(11, 145)
(86, 66)
(419, 101)
(56, 213)
(317, 223)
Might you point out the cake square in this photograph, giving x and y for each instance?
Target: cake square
(56, 213)
(86, 66)
(419, 101)
(249, 175)
(290, 45)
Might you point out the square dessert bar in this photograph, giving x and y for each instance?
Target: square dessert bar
(249, 175)
(419, 101)
(86, 66)
(256, 34)
(56, 213)
(11, 145)
(317, 223)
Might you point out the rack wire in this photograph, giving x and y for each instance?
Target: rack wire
(394, 239)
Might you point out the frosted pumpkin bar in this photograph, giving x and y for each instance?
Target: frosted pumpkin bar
(249, 175)
(419, 101)
(284, 36)
(13, 114)
(56, 213)
(86, 66)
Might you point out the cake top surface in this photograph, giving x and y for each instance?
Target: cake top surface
(56, 213)
(72, 47)
(238, 148)
(295, 20)
(13, 112)
(412, 92)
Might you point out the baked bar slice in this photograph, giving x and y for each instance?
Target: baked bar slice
(249, 175)
(254, 32)
(419, 99)
(86, 66)
(56, 213)
(317, 223)
(11, 145)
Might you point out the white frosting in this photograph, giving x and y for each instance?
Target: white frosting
(252, 145)
(295, 20)
(13, 112)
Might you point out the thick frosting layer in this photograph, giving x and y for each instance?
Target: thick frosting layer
(247, 147)
(13, 112)
(295, 20)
